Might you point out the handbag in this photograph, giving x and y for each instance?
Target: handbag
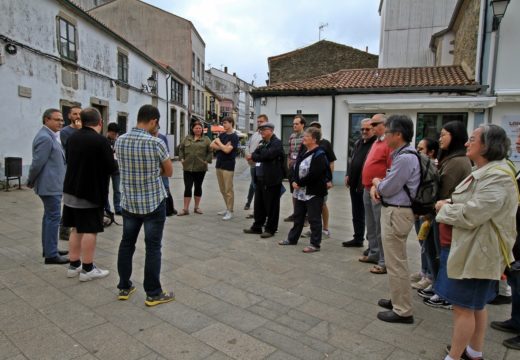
(170, 209)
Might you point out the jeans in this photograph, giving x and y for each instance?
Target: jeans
(358, 215)
(373, 222)
(252, 186)
(313, 208)
(513, 279)
(50, 224)
(116, 194)
(153, 231)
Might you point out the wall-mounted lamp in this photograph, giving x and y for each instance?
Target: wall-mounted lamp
(11, 49)
(499, 9)
(151, 86)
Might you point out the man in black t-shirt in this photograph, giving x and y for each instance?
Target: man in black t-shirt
(353, 182)
(226, 146)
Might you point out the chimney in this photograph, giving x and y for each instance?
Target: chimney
(235, 74)
(366, 48)
(225, 69)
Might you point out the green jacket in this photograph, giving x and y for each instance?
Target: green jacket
(195, 154)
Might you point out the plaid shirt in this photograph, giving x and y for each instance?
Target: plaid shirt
(295, 144)
(140, 155)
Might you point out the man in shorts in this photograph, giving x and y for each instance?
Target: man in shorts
(90, 163)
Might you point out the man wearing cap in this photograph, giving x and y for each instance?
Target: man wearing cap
(331, 157)
(269, 162)
(253, 144)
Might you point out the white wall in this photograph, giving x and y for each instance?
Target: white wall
(508, 69)
(97, 52)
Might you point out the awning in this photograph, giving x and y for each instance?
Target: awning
(441, 102)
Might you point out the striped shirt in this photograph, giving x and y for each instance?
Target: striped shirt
(140, 155)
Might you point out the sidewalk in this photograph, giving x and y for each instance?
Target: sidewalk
(237, 296)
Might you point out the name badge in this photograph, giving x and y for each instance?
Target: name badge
(294, 156)
(258, 164)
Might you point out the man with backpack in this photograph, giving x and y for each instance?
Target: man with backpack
(395, 192)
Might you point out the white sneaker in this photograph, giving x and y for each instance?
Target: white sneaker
(95, 273)
(416, 276)
(73, 271)
(422, 284)
(326, 234)
(223, 212)
(228, 216)
(306, 234)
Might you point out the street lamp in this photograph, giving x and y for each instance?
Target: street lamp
(152, 83)
(499, 9)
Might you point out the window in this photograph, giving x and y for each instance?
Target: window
(429, 124)
(67, 40)
(177, 91)
(122, 123)
(192, 99)
(122, 67)
(198, 69)
(202, 72)
(287, 127)
(197, 95)
(192, 64)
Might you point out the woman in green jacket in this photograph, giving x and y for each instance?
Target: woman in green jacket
(195, 154)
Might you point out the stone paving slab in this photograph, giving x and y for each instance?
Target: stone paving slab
(237, 296)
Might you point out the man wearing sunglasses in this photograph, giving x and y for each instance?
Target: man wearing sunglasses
(353, 182)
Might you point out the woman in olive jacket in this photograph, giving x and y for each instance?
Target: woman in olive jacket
(195, 154)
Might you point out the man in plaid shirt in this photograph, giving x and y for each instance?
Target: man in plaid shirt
(295, 144)
(143, 159)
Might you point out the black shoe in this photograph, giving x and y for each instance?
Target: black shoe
(505, 326)
(252, 231)
(392, 317)
(266, 234)
(425, 293)
(119, 212)
(175, 212)
(501, 300)
(366, 252)
(464, 355)
(60, 252)
(513, 343)
(385, 303)
(289, 218)
(352, 243)
(57, 260)
(247, 207)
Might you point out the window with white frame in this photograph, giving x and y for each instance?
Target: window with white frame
(122, 67)
(177, 91)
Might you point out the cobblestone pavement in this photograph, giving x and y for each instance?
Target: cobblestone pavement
(238, 296)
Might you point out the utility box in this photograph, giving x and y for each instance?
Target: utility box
(13, 170)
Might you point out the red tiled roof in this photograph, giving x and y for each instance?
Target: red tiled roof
(416, 77)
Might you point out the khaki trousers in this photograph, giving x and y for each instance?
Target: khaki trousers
(396, 224)
(225, 183)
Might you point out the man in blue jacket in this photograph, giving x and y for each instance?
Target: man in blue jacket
(46, 176)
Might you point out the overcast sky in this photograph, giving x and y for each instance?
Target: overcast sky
(242, 34)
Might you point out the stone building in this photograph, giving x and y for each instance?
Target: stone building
(320, 58)
(169, 39)
(65, 57)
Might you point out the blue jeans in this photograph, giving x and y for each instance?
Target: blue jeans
(153, 231)
(513, 279)
(116, 194)
(50, 224)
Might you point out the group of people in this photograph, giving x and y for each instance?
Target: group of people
(467, 236)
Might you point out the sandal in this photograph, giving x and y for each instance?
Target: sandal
(376, 269)
(285, 242)
(198, 211)
(310, 249)
(183, 212)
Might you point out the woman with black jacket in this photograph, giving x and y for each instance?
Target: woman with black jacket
(310, 176)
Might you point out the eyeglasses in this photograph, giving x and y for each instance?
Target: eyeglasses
(365, 129)
(58, 120)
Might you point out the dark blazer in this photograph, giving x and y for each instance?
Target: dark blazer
(48, 164)
(319, 172)
(272, 160)
(361, 150)
(90, 162)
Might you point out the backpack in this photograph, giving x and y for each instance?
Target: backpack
(428, 190)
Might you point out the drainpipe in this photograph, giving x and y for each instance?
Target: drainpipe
(333, 97)
(168, 107)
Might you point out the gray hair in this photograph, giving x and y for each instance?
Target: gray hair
(496, 142)
(48, 113)
(315, 133)
(365, 120)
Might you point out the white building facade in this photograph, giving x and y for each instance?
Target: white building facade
(63, 57)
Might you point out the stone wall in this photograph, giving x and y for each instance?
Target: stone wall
(465, 29)
(323, 57)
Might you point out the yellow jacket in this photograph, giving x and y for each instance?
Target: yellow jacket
(487, 194)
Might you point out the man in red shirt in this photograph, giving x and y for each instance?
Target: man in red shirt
(378, 161)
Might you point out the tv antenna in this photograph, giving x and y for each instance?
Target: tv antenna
(320, 29)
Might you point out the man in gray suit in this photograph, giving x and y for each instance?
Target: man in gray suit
(46, 176)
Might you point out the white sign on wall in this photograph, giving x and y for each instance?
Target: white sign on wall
(511, 124)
